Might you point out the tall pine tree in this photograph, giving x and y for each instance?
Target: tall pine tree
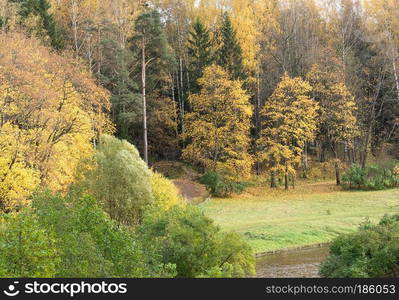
(199, 51)
(229, 54)
(154, 52)
(125, 98)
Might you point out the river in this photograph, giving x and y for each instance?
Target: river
(301, 263)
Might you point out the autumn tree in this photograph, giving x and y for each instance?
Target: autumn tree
(177, 17)
(337, 120)
(387, 14)
(381, 77)
(218, 127)
(9, 17)
(51, 111)
(37, 18)
(289, 119)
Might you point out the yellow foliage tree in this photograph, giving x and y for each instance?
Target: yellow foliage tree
(218, 127)
(50, 112)
(337, 119)
(288, 121)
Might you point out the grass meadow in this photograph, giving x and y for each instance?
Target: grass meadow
(311, 213)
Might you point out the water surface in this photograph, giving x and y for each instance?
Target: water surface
(302, 263)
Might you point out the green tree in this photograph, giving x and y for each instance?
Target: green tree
(119, 179)
(371, 251)
(200, 52)
(116, 77)
(74, 220)
(218, 127)
(27, 249)
(229, 53)
(90, 243)
(289, 119)
(185, 237)
(152, 43)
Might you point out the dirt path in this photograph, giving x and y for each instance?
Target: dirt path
(194, 192)
(185, 179)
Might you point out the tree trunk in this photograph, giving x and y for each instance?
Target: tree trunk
(394, 52)
(99, 58)
(257, 113)
(273, 183)
(143, 80)
(337, 174)
(182, 99)
(174, 105)
(322, 152)
(336, 165)
(305, 161)
(363, 159)
(286, 179)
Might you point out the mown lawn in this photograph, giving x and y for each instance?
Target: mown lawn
(310, 214)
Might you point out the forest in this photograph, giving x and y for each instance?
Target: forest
(177, 138)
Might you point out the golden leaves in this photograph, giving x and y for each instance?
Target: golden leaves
(50, 110)
(289, 120)
(218, 128)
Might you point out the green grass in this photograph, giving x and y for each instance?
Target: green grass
(310, 214)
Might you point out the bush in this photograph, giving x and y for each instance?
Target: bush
(373, 177)
(27, 248)
(119, 179)
(72, 237)
(219, 186)
(183, 236)
(165, 193)
(355, 177)
(372, 251)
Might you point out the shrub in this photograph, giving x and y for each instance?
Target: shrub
(93, 245)
(165, 193)
(373, 177)
(72, 237)
(372, 251)
(219, 186)
(185, 237)
(27, 249)
(119, 179)
(355, 177)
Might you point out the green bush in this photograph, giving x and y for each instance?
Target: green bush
(372, 251)
(72, 237)
(373, 177)
(27, 249)
(183, 236)
(119, 179)
(219, 186)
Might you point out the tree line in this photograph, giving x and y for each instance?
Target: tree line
(235, 86)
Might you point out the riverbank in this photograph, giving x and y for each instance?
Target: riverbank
(313, 213)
